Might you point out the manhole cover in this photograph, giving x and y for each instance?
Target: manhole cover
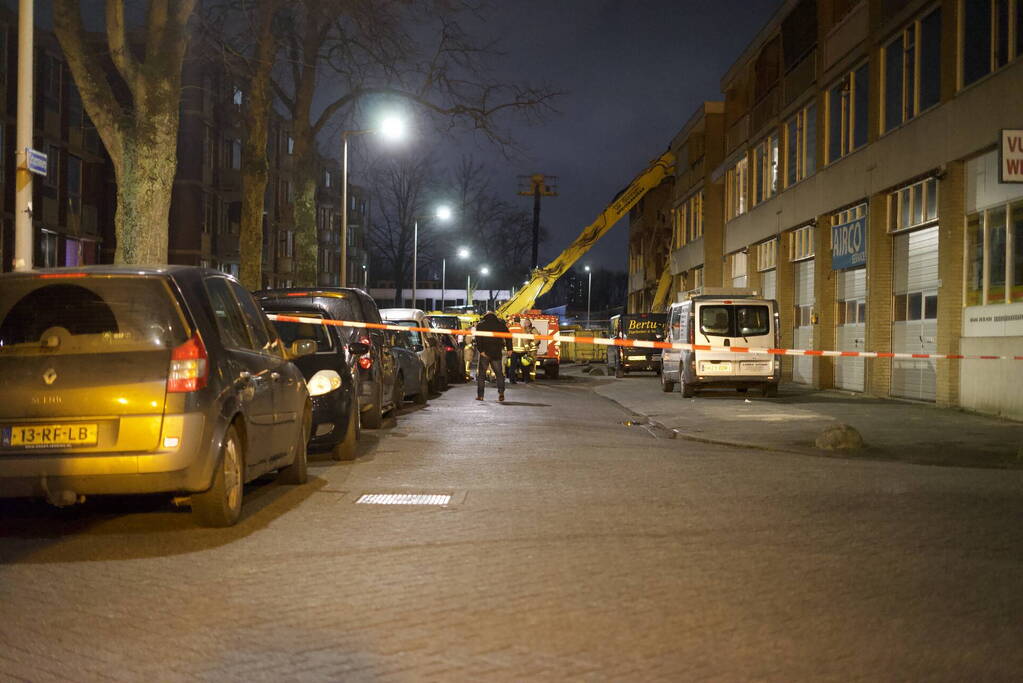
(404, 499)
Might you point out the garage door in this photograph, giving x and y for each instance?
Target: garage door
(850, 318)
(768, 279)
(915, 312)
(802, 338)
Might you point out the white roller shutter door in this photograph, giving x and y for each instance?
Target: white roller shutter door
(802, 366)
(850, 294)
(915, 326)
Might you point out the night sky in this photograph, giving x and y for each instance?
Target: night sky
(635, 71)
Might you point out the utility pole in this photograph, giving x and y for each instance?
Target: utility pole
(23, 177)
(537, 185)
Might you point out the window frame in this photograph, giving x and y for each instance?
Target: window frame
(1011, 291)
(850, 92)
(897, 198)
(1014, 44)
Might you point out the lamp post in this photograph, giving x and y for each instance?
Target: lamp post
(485, 270)
(443, 214)
(391, 128)
(589, 287)
(462, 253)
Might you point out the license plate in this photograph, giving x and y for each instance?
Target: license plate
(712, 368)
(33, 436)
(636, 358)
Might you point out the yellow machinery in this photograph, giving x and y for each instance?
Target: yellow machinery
(544, 278)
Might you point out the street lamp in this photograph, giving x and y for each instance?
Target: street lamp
(391, 128)
(589, 287)
(442, 213)
(462, 254)
(485, 270)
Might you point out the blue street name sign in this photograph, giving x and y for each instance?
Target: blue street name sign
(37, 161)
(849, 244)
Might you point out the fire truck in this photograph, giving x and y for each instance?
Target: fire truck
(548, 353)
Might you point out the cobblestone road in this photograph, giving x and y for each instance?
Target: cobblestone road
(575, 547)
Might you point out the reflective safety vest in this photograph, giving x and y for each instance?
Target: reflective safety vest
(518, 345)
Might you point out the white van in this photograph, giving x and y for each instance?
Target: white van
(722, 318)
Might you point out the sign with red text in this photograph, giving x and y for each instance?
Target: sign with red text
(1010, 156)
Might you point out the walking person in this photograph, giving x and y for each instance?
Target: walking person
(515, 364)
(491, 350)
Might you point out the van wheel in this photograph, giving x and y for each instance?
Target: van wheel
(688, 390)
(374, 417)
(345, 449)
(551, 371)
(667, 386)
(297, 471)
(221, 505)
(619, 373)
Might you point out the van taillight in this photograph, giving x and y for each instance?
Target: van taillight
(189, 367)
(365, 360)
(692, 330)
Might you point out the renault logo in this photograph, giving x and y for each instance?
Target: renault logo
(50, 376)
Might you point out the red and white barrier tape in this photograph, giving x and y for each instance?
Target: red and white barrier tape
(639, 343)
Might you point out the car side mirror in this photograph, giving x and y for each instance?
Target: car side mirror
(302, 347)
(358, 348)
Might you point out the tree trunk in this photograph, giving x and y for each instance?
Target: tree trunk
(145, 179)
(306, 260)
(255, 167)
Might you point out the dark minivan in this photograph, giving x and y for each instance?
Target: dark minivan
(376, 366)
(129, 380)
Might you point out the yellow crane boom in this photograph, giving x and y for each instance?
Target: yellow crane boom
(544, 278)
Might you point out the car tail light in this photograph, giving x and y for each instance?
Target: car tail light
(366, 360)
(189, 367)
(449, 347)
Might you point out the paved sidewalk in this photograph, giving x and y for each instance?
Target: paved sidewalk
(891, 430)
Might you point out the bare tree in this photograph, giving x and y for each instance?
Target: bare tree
(132, 96)
(372, 52)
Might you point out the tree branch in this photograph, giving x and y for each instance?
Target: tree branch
(120, 51)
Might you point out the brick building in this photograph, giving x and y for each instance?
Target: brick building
(860, 178)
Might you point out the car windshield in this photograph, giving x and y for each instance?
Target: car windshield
(88, 314)
(729, 320)
(291, 332)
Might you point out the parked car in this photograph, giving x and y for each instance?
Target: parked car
(376, 366)
(425, 342)
(453, 345)
(134, 380)
(331, 374)
(411, 378)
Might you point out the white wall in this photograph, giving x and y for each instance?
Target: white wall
(992, 386)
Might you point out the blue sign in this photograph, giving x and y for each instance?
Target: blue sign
(849, 244)
(37, 161)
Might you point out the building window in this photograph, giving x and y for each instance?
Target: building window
(765, 169)
(47, 253)
(912, 70)
(3, 151)
(52, 178)
(687, 221)
(291, 145)
(994, 255)
(801, 145)
(236, 154)
(801, 243)
(74, 184)
(237, 97)
(913, 206)
(736, 189)
(767, 255)
(847, 105)
(285, 244)
(737, 268)
(989, 36)
(327, 179)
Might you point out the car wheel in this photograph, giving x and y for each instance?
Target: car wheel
(688, 390)
(424, 390)
(374, 417)
(221, 505)
(667, 386)
(399, 394)
(346, 448)
(619, 372)
(297, 472)
(552, 371)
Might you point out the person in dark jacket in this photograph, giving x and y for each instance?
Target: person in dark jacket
(492, 351)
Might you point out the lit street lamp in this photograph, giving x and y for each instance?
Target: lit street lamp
(589, 286)
(462, 253)
(391, 128)
(485, 270)
(443, 213)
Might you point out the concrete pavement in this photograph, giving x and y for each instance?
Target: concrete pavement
(892, 430)
(575, 547)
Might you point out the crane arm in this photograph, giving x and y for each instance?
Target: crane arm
(663, 289)
(544, 278)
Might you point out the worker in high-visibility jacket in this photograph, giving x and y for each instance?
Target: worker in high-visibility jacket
(527, 361)
(514, 366)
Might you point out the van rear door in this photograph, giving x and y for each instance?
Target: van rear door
(734, 322)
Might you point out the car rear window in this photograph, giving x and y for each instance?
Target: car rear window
(92, 314)
(290, 332)
(735, 320)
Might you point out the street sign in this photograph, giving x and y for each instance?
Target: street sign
(37, 161)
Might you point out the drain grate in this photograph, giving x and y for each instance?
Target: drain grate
(404, 499)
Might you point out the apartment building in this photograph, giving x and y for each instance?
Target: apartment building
(649, 238)
(75, 199)
(861, 187)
